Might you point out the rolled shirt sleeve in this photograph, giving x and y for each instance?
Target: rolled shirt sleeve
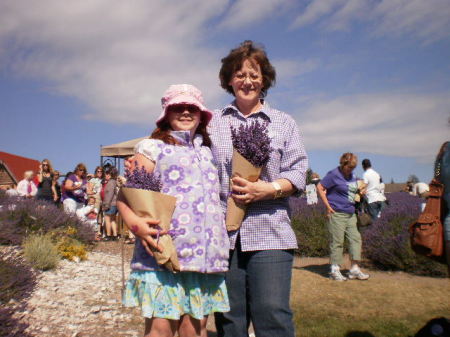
(294, 160)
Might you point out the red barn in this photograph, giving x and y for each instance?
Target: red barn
(13, 167)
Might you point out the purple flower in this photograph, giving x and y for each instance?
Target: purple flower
(252, 142)
(142, 179)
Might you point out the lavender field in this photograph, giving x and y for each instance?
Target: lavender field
(385, 242)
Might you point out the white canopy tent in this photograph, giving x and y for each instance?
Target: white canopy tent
(115, 152)
(120, 150)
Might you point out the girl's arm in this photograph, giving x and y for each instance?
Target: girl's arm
(143, 227)
(322, 193)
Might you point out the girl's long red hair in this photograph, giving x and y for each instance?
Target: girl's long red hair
(163, 133)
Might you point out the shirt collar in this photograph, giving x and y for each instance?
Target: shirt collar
(185, 138)
(266, 110)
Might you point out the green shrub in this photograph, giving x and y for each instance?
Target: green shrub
(312, 235)
(40, 251)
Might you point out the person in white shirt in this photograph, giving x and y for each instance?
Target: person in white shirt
(26, 187)
(421, 190)
(376, 200)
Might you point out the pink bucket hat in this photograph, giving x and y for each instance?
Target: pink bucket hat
(183, 94)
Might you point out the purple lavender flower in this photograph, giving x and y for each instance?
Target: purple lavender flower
(252, 142)
(142, 179)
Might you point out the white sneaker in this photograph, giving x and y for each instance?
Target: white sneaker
(357, 275)
(337, 276)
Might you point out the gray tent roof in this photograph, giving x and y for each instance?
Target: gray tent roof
(120, 150)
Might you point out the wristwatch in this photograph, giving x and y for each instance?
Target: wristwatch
(278, 190)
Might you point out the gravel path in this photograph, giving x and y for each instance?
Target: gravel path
(83, 299)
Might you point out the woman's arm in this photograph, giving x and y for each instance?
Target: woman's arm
(55, 195)
(259, 190)
(323, 195)
(69, 185)
(39, 175)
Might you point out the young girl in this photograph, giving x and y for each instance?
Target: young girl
(178, 150)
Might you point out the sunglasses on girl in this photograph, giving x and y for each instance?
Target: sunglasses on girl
(180, 108)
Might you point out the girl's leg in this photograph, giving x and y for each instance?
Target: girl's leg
(191, 327)
(108, 224)
(160, 327)
(113, 225)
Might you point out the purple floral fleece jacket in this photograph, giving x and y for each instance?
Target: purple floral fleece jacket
(198, 226)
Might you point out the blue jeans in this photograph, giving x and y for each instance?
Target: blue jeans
(259, 286)
(375, 208)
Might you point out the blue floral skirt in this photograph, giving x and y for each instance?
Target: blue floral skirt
(170, 295)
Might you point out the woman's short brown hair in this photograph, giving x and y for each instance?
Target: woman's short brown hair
(234, 60)
(348, 159)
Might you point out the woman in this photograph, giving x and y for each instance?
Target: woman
(26, 187)
(442, 169)
(95, 186)
(74, 192)
(109, 202)
(46, 186)
(57, 186)
(337, 191)
(261, 255)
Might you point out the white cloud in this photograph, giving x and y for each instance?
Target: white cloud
(405, 125)
(426, 20)
(246, 12)
(115, 56)
(315, 11)
(290, 69)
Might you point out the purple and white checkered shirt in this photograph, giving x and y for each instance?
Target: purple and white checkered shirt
(267, 224)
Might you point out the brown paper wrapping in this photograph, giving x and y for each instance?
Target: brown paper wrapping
(240, 167)
(158, 206)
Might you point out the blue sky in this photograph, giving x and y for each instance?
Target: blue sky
(371, 77)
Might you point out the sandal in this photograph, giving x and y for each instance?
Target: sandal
(130, 241)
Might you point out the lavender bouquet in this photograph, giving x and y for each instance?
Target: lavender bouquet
(143, 196)
(251, 152)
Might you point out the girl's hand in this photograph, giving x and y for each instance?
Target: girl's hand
(145, 229)
(245, 192)
(129, 163)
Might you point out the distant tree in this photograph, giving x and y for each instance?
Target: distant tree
(392, 181)
(413, 179)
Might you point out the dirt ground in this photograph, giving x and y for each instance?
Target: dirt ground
(89, 294)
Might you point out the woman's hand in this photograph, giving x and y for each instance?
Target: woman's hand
(330, 210)
(245, 192)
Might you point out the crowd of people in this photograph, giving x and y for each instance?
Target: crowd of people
(92, 197)
(241, 276)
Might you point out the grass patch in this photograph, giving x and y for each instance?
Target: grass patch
(388, 304)
(40, 251)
